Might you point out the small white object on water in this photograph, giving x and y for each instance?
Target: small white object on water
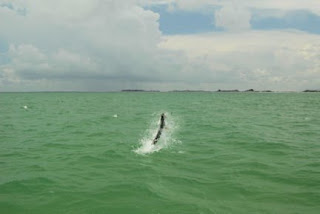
(115, 116)
(25, 107)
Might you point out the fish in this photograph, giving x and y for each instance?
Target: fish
(162, 125)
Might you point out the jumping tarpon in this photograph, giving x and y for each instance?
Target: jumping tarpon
(162, 124)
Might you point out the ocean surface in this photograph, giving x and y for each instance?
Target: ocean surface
(219, 153)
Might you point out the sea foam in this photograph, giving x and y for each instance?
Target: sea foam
(166, 138)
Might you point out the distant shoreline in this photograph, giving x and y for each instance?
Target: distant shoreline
(220, 91)
(171, 91)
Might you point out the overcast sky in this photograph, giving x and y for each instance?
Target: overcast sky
(105, 45)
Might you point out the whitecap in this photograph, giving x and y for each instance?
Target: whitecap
(165, 140)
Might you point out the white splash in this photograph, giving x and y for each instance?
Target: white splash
(25, 107)
(165, 140)
(115, 116)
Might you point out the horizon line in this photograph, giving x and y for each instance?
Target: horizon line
(160, 91)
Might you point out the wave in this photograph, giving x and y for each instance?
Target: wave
(166, 138)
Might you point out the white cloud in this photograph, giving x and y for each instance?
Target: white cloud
(233, 17)
(280, 60)
(110, 45)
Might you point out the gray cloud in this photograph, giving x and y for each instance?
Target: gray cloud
(111, 45)
(108, 40)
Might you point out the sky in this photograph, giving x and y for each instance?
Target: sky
(109, 45)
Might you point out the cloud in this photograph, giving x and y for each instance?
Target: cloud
(111, 45)
(31, 63)
(310, 5)
(233, 17)
(298, 19)
(101, 40)
(239, 15)
(288, 61)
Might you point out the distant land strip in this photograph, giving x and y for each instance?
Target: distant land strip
(219, 90)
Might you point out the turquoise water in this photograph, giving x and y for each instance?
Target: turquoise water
(219, 153)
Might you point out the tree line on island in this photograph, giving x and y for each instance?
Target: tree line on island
(219, 90)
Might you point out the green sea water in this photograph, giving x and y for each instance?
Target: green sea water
(219, 153)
